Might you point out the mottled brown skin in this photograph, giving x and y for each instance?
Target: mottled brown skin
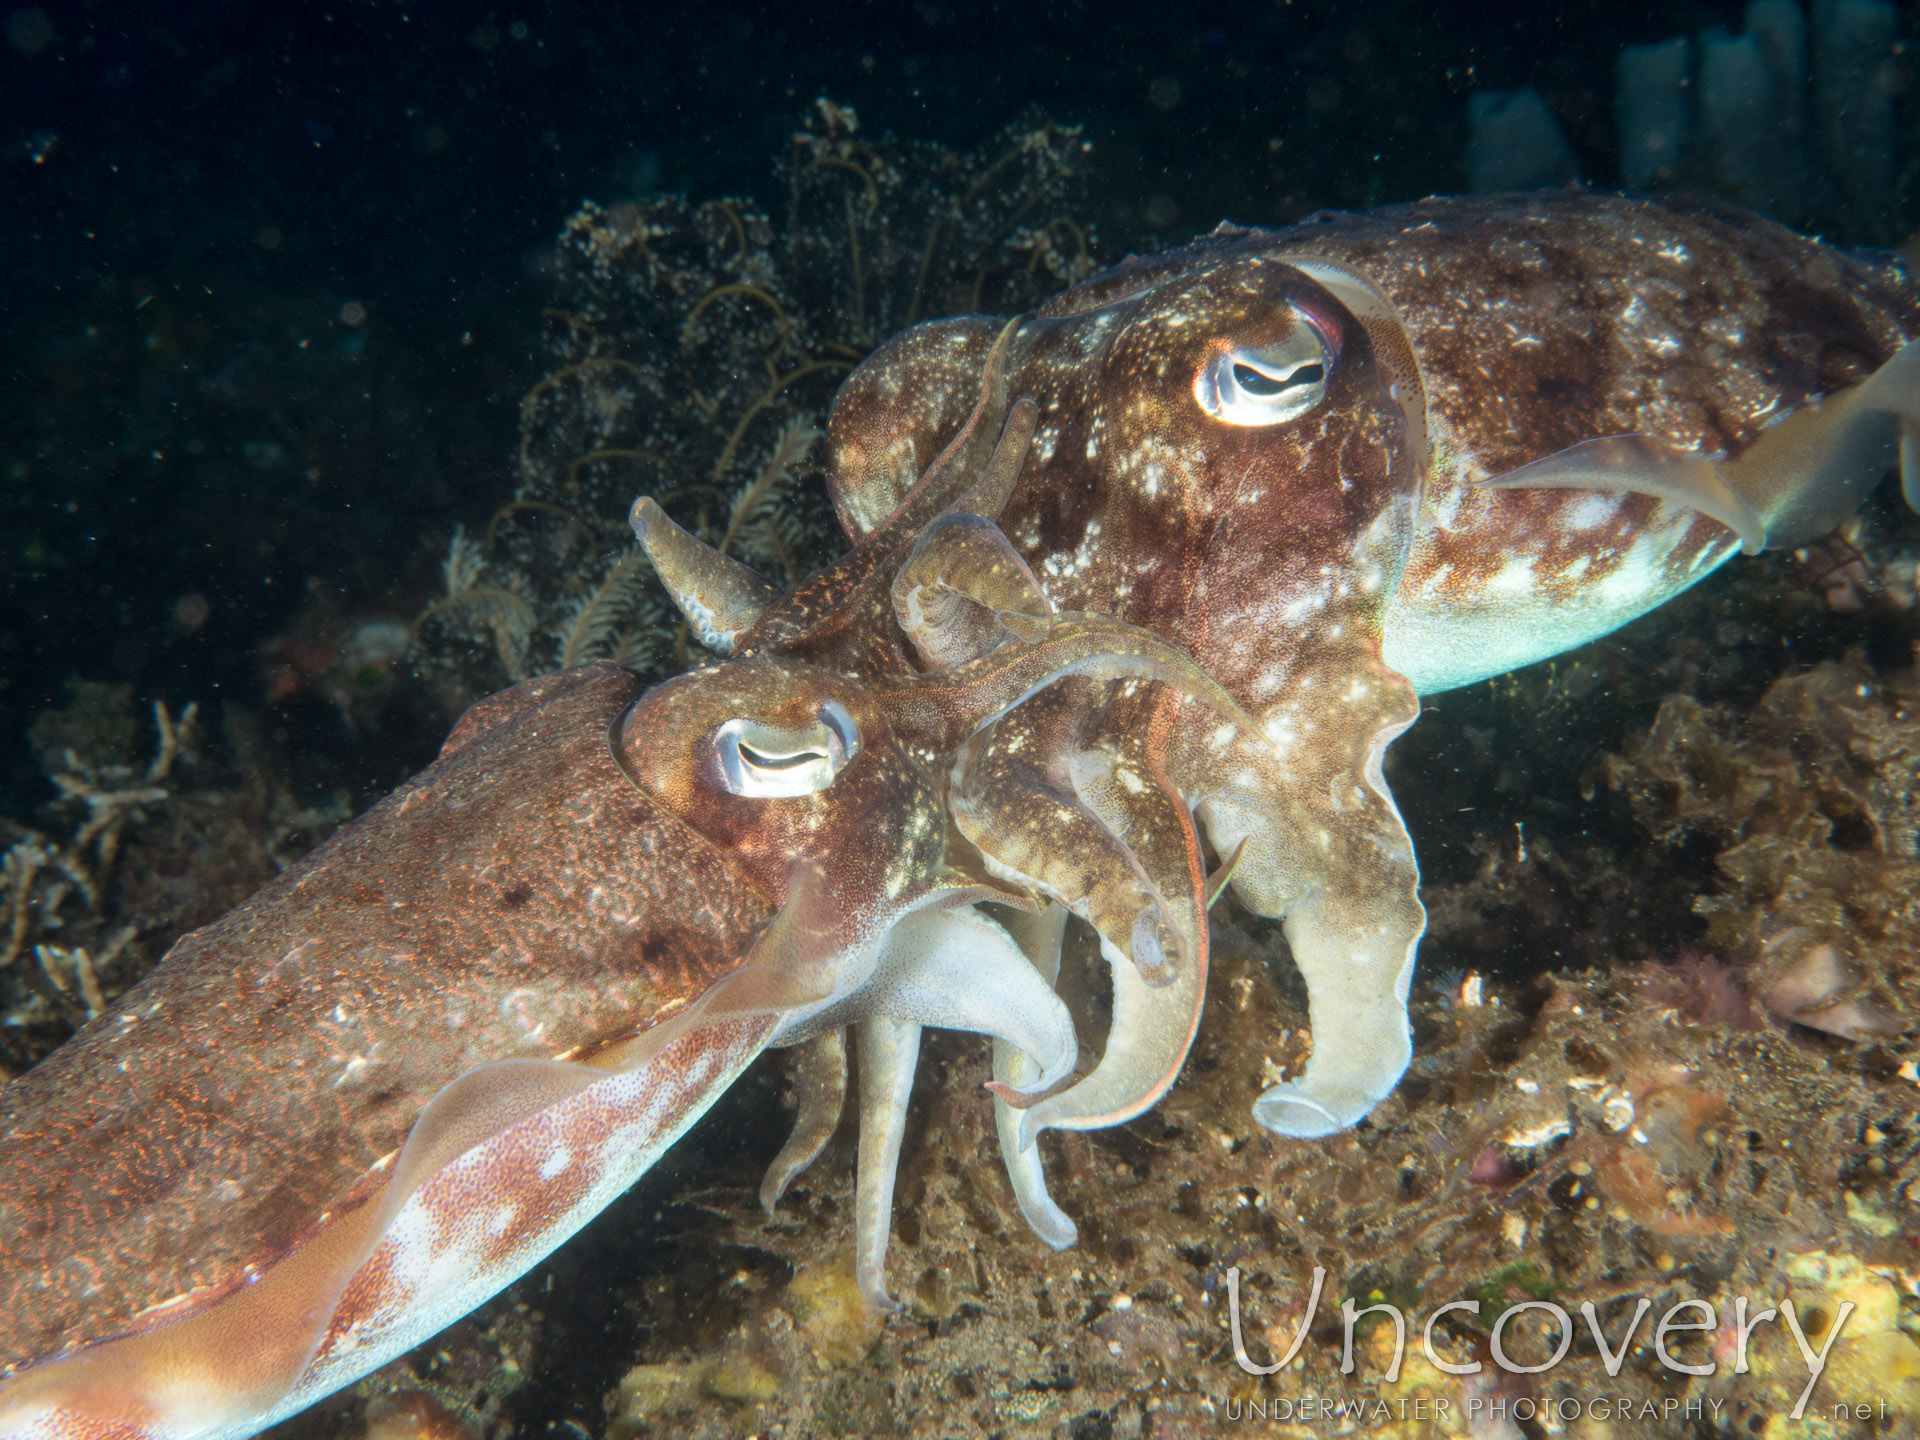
(1532, 341)
(880, 826)
(1522, 311)
(517, 898)
(1121, 504)
(525, 899)
(1327, 569)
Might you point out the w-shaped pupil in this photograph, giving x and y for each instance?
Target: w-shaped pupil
(760, 760)
(1256, 382)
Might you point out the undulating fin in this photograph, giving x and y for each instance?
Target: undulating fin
(1799, 479)
(820, 1083)
(1386, 332)
(1811, 471)
(964, 590)
(1645, 465)
(419, 1254)
(233, 1359)
(889, 1052)
(1039, 937)
(721, 598)
(415, 1256)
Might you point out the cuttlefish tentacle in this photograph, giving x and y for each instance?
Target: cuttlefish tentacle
(941, 709)
(721, 598)
(1153, 1024)
(984, 456)
(1798, 480)
(1039, 937)
(954, 969)
(844, 605)
(964, 591)
(1322, 845)
(820, 1087)
(1009, 794)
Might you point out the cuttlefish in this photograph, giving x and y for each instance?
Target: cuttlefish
(1378, 456)
(1142, 586)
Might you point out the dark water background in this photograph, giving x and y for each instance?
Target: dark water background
(274, 273)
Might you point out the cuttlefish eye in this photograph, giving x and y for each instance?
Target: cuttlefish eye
(1270, 384)
(772, 762)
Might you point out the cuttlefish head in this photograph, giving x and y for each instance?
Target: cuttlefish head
(1231, 445)
(786, 765)
(802, 778)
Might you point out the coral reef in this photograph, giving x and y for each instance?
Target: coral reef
(698, 347)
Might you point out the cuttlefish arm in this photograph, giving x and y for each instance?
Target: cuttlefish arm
(721, 598)
(940, 709)
(1319, 841)
(1801, 477)
(1011, 796)
(820, 1086)
(1155, 1016)
(956, 970)
(951, 968)
(841, 617)
(1039, 935)
(964, 591)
